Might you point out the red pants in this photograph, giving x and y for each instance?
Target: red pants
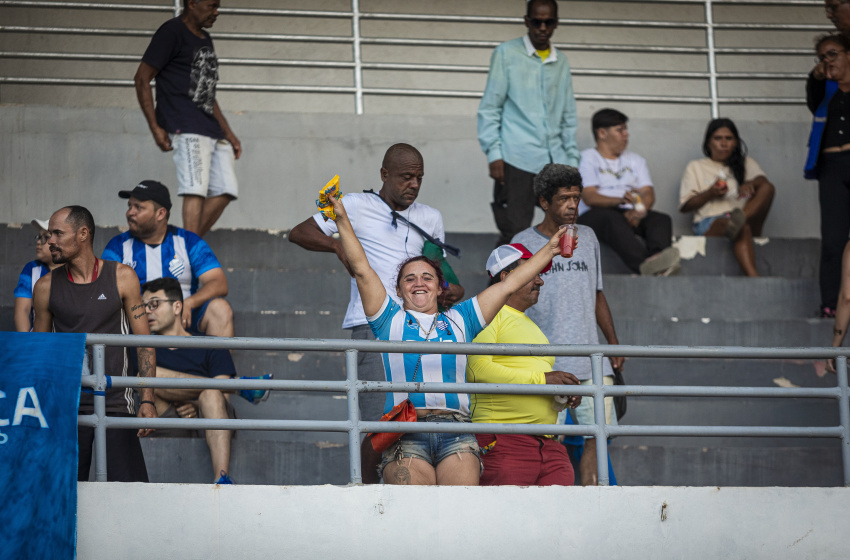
(522, 460)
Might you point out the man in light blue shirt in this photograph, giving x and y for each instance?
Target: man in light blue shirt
(527, 117)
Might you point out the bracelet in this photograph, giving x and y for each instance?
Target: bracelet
(148, 402)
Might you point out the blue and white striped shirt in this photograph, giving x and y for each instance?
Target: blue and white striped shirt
(459, 324)
(181, 255)
(32, 271)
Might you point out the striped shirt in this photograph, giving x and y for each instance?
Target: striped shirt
(181, 255)
(32, 271)
(459, 324)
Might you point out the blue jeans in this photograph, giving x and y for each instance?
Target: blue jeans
(432, 447)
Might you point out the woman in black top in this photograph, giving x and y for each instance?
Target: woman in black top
(833, 165)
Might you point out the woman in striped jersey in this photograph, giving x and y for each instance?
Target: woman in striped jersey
(429, 458)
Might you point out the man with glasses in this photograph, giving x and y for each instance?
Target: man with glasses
(163, 301)
(527, 117)
(32, 271)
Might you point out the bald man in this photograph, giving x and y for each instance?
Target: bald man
(382, 223)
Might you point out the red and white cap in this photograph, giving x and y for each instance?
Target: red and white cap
(505, 255)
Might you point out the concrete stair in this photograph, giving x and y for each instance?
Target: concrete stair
(280, 290)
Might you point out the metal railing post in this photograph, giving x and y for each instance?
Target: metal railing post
(844, 415)
(178, 7)
(353, 416)
(358, 64)
(99, 366)
(599, 418)
(712, 58)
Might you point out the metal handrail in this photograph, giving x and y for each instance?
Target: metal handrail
(354, 426)
(357, 65)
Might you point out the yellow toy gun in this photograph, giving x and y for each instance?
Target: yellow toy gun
(324, 203)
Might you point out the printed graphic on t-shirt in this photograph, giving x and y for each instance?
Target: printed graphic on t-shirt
(176, 266)
(204, 76)
(565, 265)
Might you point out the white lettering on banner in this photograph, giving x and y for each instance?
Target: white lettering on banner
(21, 409)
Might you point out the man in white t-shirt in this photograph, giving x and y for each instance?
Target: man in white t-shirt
(618, 197)
(388, 239)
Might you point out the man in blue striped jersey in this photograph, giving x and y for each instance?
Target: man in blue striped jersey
(157, 250)
(32, 271)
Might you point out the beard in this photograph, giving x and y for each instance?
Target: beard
(59, 258)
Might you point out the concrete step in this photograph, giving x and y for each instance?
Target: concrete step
(661, 332)
(788, 258)
(186, 460)
(694, 332)
(253, 461)
(706, 465)
(785, 258)
(739, 298)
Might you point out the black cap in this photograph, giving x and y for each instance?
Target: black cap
(150, 190)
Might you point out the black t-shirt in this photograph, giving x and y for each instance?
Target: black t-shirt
(185, 84)
(836, 133)
(202, 362)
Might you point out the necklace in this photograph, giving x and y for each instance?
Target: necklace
(427, 337)
(418, 324)
(93, 274)
(620, 170)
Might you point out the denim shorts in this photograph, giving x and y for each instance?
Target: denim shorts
(432, 447)
(702, 226)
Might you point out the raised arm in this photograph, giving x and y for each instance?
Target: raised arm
(372, 291)
(493, 298)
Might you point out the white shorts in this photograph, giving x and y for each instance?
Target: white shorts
(584, 413)
(205, 166)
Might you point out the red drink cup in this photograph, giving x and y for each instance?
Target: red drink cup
(568, 241)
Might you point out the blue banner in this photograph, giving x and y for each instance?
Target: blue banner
(39, 396)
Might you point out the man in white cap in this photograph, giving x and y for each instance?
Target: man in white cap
(518, 459)
(32, 271)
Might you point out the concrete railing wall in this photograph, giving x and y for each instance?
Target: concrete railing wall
(217, 522)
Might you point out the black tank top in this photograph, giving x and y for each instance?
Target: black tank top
(95, 307)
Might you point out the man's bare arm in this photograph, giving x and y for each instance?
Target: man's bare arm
(606, 324)
(308, 235)
(128, 288)
(228, 133)
(144, 94)
(23, 306)
(40, 302)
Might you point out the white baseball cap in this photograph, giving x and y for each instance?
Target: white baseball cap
(505, 255)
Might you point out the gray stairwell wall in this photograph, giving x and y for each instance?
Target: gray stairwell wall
(80, 143)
